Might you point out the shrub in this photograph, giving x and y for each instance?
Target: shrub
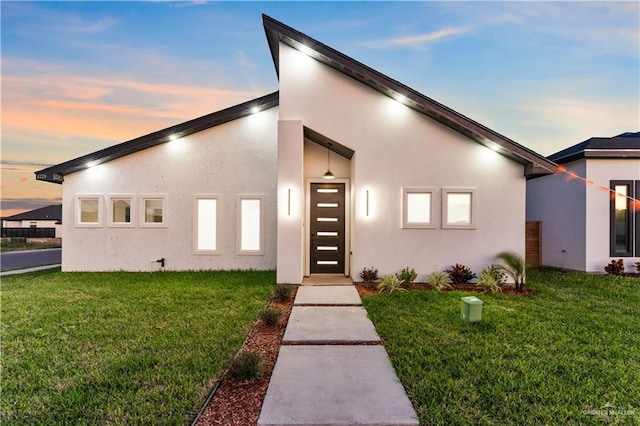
(615, 267)
(460, 274)
(282, 293)
(271, 316)
(637, 265)
(491, 280)
(514, 266)
(247, 366)
(439, 281)
(369, 275)
(407, 276)
(389, 284)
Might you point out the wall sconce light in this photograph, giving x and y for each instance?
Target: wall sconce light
(289, 202)
(367, 204)
(328, 174)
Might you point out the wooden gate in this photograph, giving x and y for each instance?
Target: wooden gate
(533, 243)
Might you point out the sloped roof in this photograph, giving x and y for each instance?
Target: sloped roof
(535, 164)
(53, 212)
(625, 145)
(56, 173)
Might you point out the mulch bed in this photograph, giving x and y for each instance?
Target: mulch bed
(239, 402)
(367, 289)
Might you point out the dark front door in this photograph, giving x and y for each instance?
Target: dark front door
(327, 228)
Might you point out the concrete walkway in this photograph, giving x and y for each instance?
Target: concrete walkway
(332, 369)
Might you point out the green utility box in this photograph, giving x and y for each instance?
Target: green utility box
(471, 309)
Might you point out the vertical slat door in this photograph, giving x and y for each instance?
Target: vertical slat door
(327, 228)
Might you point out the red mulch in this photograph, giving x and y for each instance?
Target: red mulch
(367, 289)
(239, 403)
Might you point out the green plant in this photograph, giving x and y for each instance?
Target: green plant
(439, 281)
(389, 284)
(514, 267)
(407, 276)
(615, 267)
(369, 275)
(460, 274)
(271, 316)
(248, 365)
(282, 292)
(637, 265)
(491, 279)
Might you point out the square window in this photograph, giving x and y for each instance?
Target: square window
(88, 211)
(250, 225)
(153, 211)
(417, 208)
(120, 210)
(459, 208)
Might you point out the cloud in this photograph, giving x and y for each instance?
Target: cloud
(24, 163)
(11, 206)
(418, 40)
(24, 179)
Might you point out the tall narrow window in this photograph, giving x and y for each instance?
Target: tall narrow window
(417, 208)
(153, 211)
(250, 225)
(459, 208)
(621, 243)
(88, 210)
(206, 225)
(120, 210)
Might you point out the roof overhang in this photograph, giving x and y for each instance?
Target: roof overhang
(277, 32)
(599, 153)
(56, 173)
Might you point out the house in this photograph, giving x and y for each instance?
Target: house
(414, 182)
(589, 211)
(49, 217)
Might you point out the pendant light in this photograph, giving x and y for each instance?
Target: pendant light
(328, 174)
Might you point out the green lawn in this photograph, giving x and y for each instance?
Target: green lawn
(134, 348)
(570, 354)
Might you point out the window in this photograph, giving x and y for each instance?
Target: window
(459, 208)
(88, 209)
(206, 225)
(153, 211)
(250, 225)
(417, 208)
(621, 218)
(120, 210)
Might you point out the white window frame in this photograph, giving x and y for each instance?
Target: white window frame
(132, 213)
(196, 198)
(445, 208)
(239, 250)
(78, 212)
(405, 208)
(142, 210)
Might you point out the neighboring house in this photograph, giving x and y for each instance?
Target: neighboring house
(416, 183)
(589, 210)
(44, 217)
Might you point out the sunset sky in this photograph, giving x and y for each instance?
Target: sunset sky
(81, 76)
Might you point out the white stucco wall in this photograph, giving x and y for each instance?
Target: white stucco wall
(236, 158)
(558, 201)
(396, 147)
(602, 172)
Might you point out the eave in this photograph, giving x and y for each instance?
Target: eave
(276, 32)
(55, 174)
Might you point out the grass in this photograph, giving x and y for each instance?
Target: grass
(7, 244)
(120, 348)
(570, 354)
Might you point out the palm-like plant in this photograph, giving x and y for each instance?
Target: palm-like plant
(513, 266)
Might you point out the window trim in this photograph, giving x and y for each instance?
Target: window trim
(405, 208)
(78, 212)
(630, 219)
(132, 212)
(196, 250)
(445, 208)
(142, 223)
(239, 250)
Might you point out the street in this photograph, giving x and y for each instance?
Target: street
(26, 259)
